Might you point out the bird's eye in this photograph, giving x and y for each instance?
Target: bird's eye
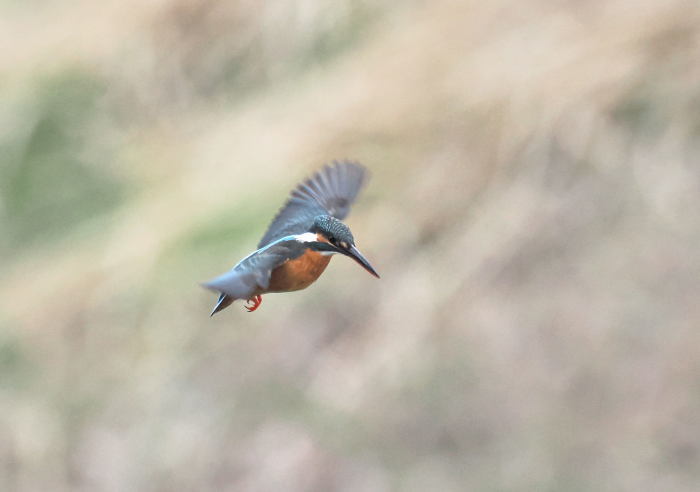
(332, 240)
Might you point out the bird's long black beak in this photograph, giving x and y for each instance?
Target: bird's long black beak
(355, 254)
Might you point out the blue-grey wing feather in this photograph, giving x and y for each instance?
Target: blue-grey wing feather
(251, 275)
(331, 191)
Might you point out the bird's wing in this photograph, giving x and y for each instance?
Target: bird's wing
(330, 191)
(252, 274)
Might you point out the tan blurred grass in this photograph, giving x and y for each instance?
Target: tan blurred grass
(532, 214)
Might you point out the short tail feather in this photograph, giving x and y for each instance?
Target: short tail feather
(223, 302)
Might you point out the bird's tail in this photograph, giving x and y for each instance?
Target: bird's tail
(223, 302)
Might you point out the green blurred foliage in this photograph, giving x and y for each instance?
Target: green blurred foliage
(16, 368)
(57, 172)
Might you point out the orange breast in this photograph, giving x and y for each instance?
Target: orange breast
(298, 273)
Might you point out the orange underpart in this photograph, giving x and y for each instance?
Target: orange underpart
(256, 300)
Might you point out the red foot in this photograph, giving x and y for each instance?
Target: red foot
(256, 300)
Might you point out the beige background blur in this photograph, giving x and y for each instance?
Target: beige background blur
(533, 212)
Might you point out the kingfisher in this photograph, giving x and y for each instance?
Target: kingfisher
(300, 240)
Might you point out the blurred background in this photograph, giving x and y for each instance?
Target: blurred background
(533, 213)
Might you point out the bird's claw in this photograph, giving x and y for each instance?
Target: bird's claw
(256, 301)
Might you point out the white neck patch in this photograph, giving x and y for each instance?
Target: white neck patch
(307, 237)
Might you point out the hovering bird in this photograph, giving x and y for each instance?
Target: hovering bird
(300, 241)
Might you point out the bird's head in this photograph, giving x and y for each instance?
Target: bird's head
(335, 237)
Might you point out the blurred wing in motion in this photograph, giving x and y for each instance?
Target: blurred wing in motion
(330, 191)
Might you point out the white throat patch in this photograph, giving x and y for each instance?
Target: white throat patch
(307, 237)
